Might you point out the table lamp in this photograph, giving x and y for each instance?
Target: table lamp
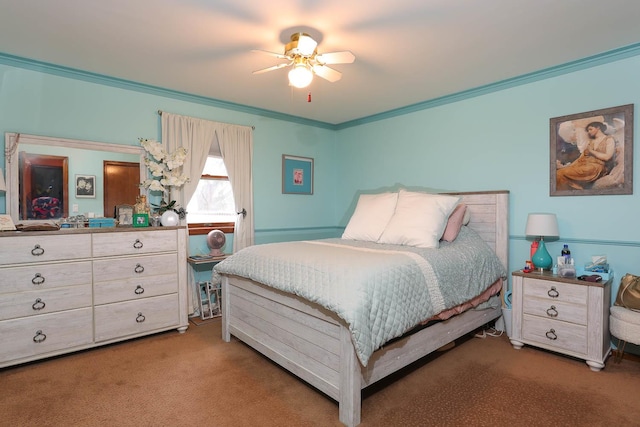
(542, 225)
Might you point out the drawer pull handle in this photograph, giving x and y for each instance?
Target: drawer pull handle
(37, 279)
(139, 269)
(139, 290)
(138, 244)
(39, 337)
(140, 318)
(552, 311)
(38, 305)
(551, 334)
(553, 292)
(37, 250)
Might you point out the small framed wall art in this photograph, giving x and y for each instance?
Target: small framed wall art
(297, 175)
(86, 186)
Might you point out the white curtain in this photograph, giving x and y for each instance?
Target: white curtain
(197, 136)
(236, 147)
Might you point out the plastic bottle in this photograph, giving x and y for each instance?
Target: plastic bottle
(566, 254)
(534, 248)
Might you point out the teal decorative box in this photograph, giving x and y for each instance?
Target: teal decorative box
(102, 222)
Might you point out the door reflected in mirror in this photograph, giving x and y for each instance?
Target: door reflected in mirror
(44, 183)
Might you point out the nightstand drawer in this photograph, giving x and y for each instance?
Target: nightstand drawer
(562, 336)
(555, 291)
(556, 310)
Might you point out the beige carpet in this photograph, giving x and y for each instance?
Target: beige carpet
(196, 379)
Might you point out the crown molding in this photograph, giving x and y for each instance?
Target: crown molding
(570, 67)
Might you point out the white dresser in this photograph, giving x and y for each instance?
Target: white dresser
(567, 316)
(69, 290)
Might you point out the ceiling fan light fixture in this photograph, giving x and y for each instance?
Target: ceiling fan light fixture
(306, 45)
(300, 76)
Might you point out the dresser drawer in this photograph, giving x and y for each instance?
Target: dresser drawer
(28, 249)
(556, 310)
(135, 288)
(109, 270)
(134, 242)
(562, 336)
(32, 336)
(555, 291)
(136, 317)
(35, 303)
(45, 276)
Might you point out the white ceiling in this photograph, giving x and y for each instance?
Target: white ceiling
(407, 51)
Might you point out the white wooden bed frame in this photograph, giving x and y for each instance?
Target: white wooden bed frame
(314, 344)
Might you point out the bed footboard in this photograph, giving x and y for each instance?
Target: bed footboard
(316, 346)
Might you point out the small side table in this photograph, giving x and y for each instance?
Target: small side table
(205, 303)
(564, 315)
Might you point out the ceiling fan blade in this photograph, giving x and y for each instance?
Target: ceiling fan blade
(344, 57)
(275, 67)
(327, 73)
(266, 52)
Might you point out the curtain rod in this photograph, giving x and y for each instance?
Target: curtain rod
(160, 113)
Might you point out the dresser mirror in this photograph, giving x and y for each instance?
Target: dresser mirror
(46, 177)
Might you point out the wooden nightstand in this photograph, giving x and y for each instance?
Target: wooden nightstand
(568, 316)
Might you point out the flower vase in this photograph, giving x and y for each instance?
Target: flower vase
(169, 219)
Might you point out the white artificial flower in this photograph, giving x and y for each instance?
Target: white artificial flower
(164, 166)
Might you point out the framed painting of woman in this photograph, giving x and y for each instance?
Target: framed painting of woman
(592, 153)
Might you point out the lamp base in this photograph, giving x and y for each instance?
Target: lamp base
(541, 259)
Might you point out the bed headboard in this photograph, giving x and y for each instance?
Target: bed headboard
(490, 218)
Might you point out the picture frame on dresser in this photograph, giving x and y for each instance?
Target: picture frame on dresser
(140, 220)
(124, 215)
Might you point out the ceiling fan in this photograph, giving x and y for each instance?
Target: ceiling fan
(302, 55)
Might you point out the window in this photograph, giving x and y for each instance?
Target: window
(212, 205)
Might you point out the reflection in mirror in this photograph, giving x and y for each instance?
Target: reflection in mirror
(44, 183)
(26, 152)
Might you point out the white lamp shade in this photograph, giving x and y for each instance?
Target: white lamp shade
(3, 185)
(306, 45)
(542, 225)
(300, 76)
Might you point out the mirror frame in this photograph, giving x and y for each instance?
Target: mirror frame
(13, 140)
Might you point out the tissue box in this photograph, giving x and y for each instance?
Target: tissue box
(596, 268)
(102, 222)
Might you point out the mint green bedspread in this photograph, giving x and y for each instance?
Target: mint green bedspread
(380, 291)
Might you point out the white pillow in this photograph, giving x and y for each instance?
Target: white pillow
(371, 216)
(419, 219)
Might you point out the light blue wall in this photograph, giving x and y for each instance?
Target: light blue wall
(496, 140)
(57, 102)
(500, 140)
